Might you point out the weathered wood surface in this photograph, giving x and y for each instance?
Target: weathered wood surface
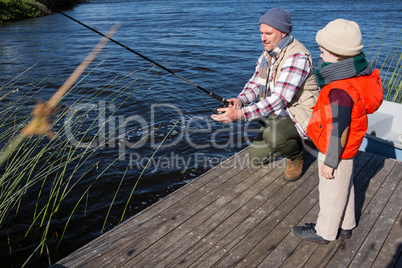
(239, 215)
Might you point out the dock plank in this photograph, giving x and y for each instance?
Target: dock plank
(134, 229)
(382, 227)
(292, 258)
(209, 217)
(233, 245)
(387, 220)
(378, 171)
(240, 215)
(156, 215)
(391, 250)
(279, 237)
(166, 221)
(266, 236)
(346, 253)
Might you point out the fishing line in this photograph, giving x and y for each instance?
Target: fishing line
(213, 95)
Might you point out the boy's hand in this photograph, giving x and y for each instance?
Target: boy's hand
(327, 172)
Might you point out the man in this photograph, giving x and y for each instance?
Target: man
(283, 87)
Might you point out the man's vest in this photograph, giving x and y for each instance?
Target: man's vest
(306, 96)
(366, 93)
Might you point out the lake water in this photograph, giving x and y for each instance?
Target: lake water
(214, 44)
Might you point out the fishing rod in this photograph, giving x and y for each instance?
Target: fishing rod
(213, 95)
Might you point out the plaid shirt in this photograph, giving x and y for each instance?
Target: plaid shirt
(294, 72)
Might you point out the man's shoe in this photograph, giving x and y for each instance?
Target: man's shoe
(308, 233)
(293, 170)
(345, 233)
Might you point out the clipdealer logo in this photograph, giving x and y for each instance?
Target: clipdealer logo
(117, 131)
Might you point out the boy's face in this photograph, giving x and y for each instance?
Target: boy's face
(327, 56)
(270, 37)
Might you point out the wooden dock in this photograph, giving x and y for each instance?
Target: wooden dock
(239, 215)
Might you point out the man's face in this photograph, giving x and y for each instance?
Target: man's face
(270, 37)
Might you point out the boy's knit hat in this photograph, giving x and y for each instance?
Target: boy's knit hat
(278, 18)
(341, 37)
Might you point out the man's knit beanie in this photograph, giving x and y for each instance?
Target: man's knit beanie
(277, 18)
(341, 37)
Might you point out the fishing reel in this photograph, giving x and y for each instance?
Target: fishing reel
(224, 105)
(215, 110)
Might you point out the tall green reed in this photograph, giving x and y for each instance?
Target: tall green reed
(51, 168)
(388, 63)
(39, 161)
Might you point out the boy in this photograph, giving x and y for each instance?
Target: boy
(350, 90)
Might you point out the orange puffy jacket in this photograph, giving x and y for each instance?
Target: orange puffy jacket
(367, 95)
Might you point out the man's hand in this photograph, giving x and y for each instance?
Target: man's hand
(234, 103)
(228, 115)
(327, 172)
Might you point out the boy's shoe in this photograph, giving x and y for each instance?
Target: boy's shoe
(293, 170)
(308, 233)
(345, 233)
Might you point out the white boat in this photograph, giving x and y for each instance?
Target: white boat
(384, 133)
